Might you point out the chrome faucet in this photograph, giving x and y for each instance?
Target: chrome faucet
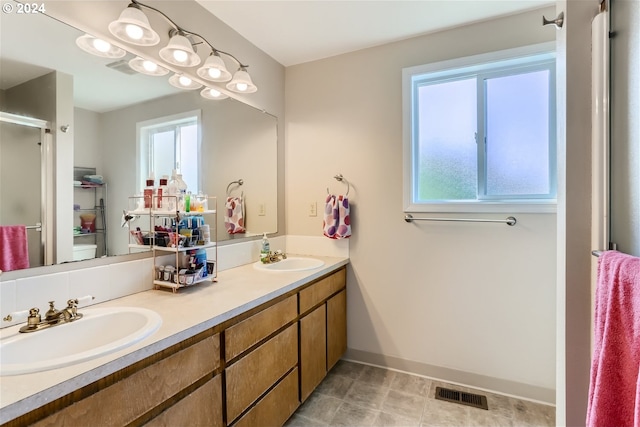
(52, 317)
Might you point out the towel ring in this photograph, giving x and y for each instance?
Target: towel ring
(239, 182)
(342, 179)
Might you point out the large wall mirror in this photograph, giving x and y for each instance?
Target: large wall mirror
(93, 108)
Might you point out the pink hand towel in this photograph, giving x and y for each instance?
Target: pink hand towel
(614, 391)
(14, 252)
(234, 215)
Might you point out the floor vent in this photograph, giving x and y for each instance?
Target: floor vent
(462, 397)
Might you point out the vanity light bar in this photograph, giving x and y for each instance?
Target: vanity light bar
(133, 27)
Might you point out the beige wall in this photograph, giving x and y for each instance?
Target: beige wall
(474, 302)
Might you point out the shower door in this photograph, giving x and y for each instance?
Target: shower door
(21, 183)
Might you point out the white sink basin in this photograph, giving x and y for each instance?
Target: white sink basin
(99, 332)
(290, 264)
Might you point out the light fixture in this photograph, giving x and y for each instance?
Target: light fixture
(183, 82)
(214, 69)
(147, 67)
(241, 82)
(179, 51)
(99, 47)
(133, 27)
(211, 93)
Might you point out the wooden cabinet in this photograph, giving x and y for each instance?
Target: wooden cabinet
(202, 408)
(336, 328)
(245, 334)
(323, 331)
(255, 373)
(313, 350)
(252, 370)
(276, 407)
(321, 290)
(134, 398)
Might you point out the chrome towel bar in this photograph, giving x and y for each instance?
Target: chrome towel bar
(511, 221)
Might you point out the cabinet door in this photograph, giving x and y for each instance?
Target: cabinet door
(336, 328)
(313, 350)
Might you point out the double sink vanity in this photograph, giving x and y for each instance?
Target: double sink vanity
(245, 350)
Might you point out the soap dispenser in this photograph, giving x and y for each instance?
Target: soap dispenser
(264, 252)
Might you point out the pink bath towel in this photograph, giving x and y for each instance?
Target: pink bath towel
(614, 392)
(14, 252)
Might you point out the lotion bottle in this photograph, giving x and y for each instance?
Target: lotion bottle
(264, 251)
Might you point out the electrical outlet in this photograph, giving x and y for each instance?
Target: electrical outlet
(262, 209)
(313, 209)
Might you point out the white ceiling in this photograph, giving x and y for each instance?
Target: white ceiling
(291, 32)
(297, 31)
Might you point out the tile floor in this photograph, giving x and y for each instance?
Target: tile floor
(354, 394)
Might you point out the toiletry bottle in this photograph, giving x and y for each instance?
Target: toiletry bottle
(149, 191)
(162, 191)
(264, 252)
(182, 191)
(187, 202)
(172, 192)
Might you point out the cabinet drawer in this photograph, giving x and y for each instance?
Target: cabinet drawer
(202, 408)
(252, 375)
(126, 400)
(243, 335)
(276, 407)
(321, 290)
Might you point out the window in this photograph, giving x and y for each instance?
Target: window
(170, 143)
(480, 133)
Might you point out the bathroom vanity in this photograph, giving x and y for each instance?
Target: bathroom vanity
(244, 351)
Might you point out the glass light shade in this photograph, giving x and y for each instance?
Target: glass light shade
(210, 93)
(133, 27)
(183, 82)
(180, 52)
(241, 82)
(214, 69)
(147, 67)
(99, 47)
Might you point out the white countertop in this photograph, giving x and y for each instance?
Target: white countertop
(184, 314)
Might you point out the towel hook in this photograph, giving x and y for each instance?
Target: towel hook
(239, 182)
(342, 179)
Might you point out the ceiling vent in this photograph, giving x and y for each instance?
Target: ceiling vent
(122, 65)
